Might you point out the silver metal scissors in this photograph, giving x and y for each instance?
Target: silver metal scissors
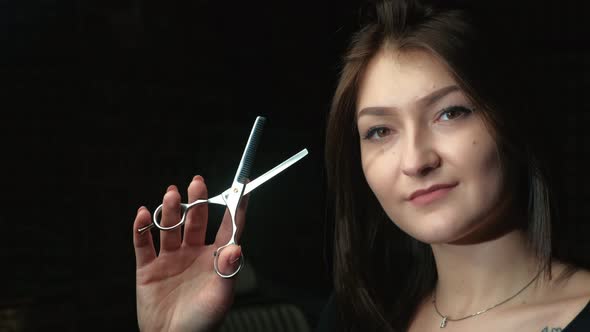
(232, 196)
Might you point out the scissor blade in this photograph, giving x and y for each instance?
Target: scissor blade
(248, 156)
(276, 170)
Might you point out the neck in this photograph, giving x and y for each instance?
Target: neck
(473, 277)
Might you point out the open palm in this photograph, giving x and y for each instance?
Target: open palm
(178, 289)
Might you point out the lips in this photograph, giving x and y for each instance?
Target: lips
(430, 189)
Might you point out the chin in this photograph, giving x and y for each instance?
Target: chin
(437, 229)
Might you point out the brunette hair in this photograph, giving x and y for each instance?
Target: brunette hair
(380, 273)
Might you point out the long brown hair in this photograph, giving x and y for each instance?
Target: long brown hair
(380, 273)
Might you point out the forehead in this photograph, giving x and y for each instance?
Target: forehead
(394, 78)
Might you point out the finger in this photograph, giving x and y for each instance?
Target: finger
(226, 228)
(196, 220)
(143, 243)
(229, 259)
(170, 240)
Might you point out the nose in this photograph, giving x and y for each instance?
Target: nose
(419, 157)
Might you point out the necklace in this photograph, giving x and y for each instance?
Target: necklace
(446, 319)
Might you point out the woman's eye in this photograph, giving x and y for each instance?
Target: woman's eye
(377, 133)
(454, 112)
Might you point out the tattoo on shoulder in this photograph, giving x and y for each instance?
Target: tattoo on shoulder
(551, 329)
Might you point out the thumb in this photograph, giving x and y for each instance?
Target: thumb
(229, 259)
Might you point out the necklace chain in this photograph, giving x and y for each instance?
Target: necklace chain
(446, 319)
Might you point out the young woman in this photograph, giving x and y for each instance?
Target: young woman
(443, 212)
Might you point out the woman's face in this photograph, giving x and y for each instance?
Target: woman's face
(417, 130)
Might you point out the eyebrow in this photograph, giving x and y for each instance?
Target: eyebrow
(427, 100)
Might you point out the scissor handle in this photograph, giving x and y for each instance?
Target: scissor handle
(158, 213)
(183, 210)
(217, 254)
(232, 202)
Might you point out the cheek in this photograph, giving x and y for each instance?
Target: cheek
(380, 168)
(473, 155)
(490, 175)
(485, 160)
(482, 174)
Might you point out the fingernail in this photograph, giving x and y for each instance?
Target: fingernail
(171, 187)
(198, 178)
(140, 208)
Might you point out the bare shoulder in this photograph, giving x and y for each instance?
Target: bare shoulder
(569, 286)
(567, 295)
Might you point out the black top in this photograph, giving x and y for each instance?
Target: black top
(581, 323)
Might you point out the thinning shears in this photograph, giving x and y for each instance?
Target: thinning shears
(232, 196)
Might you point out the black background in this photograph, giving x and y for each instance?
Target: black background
(106, 103)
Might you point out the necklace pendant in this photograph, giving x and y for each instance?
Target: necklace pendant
(443, 323)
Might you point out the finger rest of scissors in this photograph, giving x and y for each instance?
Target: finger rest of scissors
(142, 230)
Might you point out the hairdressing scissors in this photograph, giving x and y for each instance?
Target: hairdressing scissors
(232, 196)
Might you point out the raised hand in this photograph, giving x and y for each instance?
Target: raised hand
(178, 289)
